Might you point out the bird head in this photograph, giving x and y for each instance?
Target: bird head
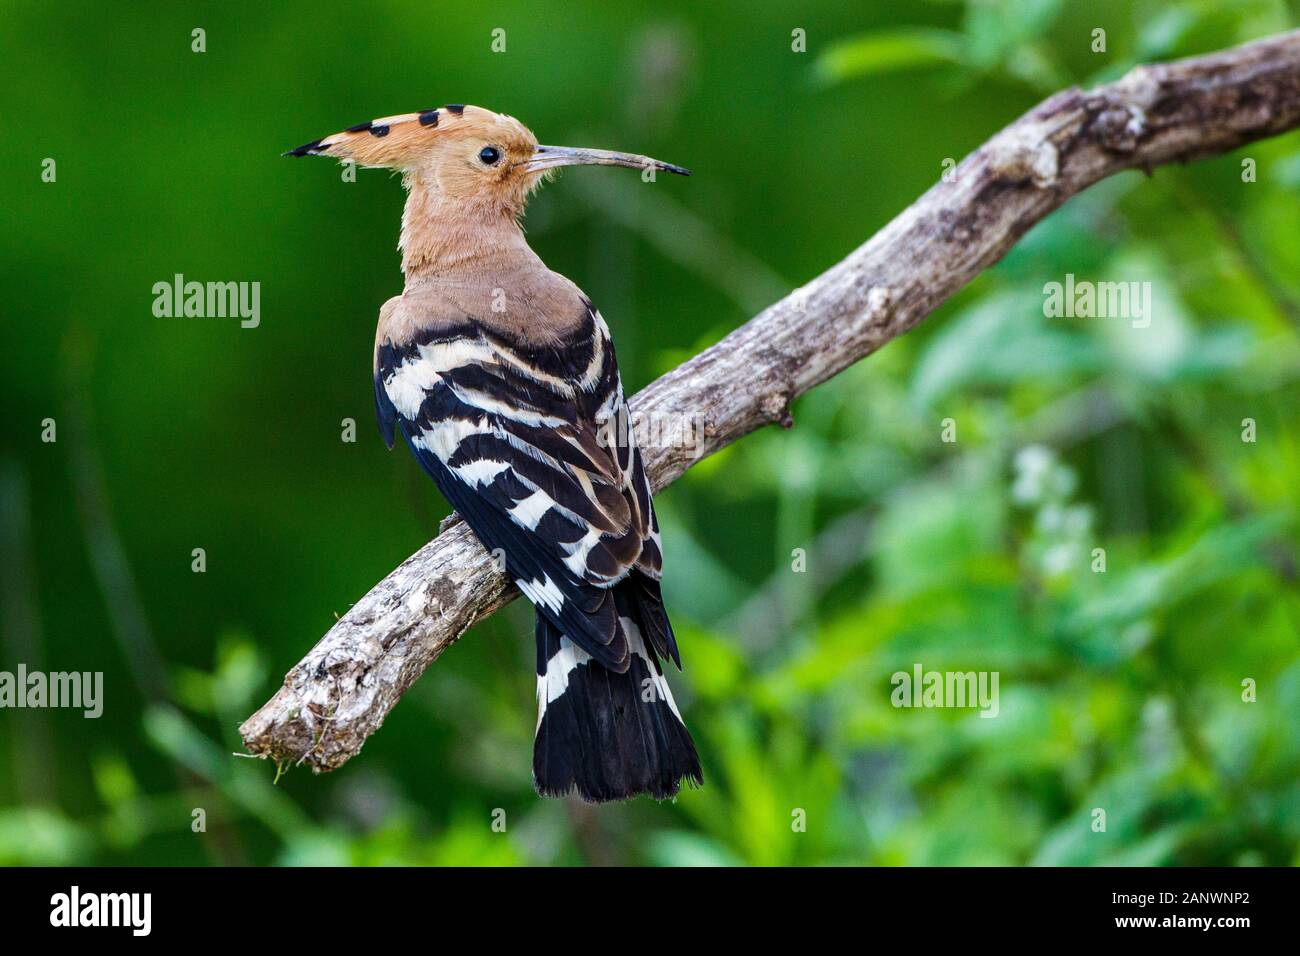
(470, 156)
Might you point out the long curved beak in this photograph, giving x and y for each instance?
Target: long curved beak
(551, 157)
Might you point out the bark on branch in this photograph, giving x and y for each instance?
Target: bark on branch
(343, 689)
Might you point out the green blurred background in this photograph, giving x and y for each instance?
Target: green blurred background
(1119, 690)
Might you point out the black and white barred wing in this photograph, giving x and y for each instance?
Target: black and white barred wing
(516, 446)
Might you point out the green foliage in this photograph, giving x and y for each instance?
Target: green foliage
(1157, 681)
(886, 50)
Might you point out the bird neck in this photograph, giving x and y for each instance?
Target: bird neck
(448, 237)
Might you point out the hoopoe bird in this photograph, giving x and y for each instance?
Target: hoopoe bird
(500, 375)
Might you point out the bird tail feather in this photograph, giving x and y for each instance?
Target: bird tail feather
(609, 736)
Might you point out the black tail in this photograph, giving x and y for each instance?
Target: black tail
(609, 736)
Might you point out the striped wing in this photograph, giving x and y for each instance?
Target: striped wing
(524, 447)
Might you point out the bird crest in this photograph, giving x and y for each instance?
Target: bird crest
(409, 140)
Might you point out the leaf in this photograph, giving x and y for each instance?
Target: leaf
(887, 51)
(1286, 171)
(1163, 33)
(1219, 553)
(42, 836)
(682, 848)
(999, 340)
(114, 780)
(996, 30)
(928, 533)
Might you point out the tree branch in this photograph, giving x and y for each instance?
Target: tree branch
(343, 689)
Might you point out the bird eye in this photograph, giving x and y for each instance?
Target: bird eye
(489, 155)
